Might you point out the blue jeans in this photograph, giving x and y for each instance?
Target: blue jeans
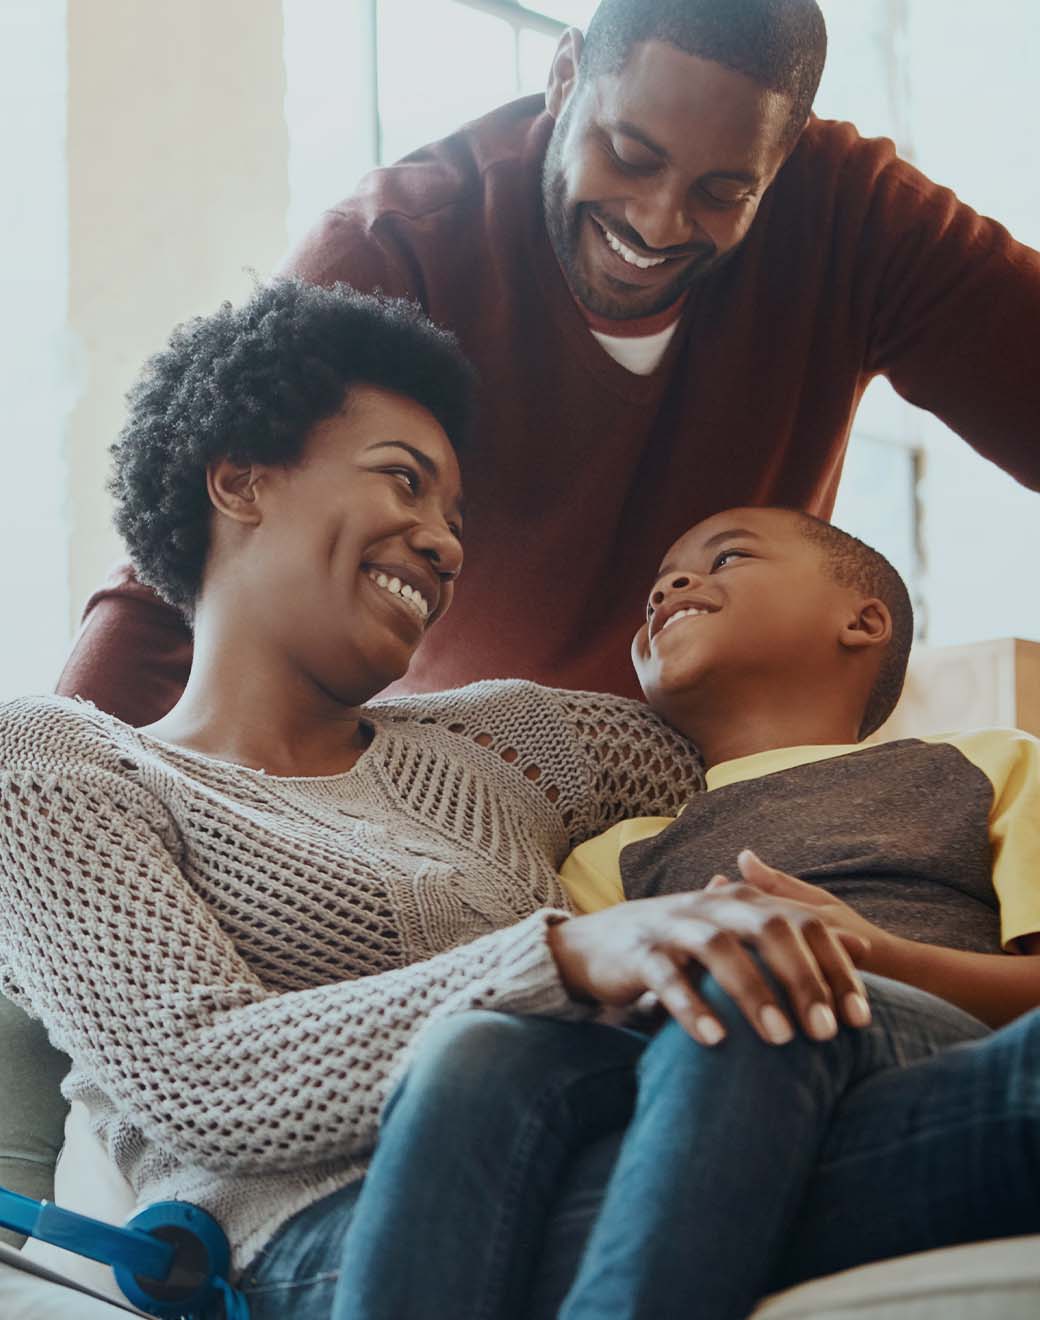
(532, 1168)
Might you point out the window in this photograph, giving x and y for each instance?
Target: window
(444, 62)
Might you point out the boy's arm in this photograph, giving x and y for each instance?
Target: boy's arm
(994, 987)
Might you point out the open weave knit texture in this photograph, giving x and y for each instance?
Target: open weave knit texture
(239, 964)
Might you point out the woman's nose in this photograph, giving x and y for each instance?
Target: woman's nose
(440, 545)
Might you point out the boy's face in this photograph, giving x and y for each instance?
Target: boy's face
(742, 596)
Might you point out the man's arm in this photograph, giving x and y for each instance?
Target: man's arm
(133, 652)
(956, 316)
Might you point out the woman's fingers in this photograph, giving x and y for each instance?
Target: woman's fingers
(721, 953)
(668, 978)
(837, 966)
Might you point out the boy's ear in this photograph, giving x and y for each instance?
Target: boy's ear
(232, 489)
(871, 625)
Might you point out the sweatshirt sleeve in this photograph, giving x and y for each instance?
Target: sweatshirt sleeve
(133, 652)
(956, 315)
(102, 937)
(1010, 759)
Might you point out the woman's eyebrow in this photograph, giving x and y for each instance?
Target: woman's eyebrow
(424, 460)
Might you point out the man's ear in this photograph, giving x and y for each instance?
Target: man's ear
(871, 625)
(563, 75)
(232, 489)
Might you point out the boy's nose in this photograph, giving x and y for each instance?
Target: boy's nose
(679, 582)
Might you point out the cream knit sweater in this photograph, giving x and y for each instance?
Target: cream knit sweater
(239, 964)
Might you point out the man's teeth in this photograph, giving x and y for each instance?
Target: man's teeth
(681, 614)
(396, 587)
(633, 258)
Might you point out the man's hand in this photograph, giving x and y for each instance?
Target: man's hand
(664, 945)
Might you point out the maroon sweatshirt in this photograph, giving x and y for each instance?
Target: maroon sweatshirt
(856, 265)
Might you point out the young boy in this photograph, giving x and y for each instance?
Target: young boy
(777, 643)
(684, 1180)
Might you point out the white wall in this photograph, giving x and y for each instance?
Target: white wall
(39, 370)
(177, 190)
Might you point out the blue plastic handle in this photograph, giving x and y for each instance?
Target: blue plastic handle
(143, 1254)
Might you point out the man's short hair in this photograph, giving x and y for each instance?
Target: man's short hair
(250, 383)
(853, 563)
(780, 44)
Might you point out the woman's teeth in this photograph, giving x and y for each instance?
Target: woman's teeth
(681, 614)
(408, 594)
(626, 253)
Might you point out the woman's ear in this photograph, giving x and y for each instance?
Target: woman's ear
(871, 625)
(563, 75)
(232, 489)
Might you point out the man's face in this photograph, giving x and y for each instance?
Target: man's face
(653, 175)
(743, 597)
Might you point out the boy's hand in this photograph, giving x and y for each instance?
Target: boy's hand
(838, 915)
(663, 945)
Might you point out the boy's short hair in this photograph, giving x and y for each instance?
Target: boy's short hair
(853, 563)
(250, 383)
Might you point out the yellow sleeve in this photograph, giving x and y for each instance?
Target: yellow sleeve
(1010, 759)
(591, 875)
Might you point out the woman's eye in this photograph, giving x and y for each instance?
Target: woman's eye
(408, 477)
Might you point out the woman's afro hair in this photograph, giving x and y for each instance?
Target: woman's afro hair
(250, 383)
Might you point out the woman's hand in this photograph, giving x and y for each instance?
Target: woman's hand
(663, 946)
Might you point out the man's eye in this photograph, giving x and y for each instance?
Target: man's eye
(722, 194)
(720, 559)
(632, 166)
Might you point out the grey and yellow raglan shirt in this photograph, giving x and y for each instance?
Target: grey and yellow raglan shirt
(934, 839)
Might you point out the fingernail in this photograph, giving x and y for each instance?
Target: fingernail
(710, 1030)
(822, 1022)
(857, 1010)
(746, 855)
(775, 1025)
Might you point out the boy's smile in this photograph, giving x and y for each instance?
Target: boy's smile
(747, 623)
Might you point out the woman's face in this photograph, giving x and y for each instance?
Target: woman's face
(355, 549)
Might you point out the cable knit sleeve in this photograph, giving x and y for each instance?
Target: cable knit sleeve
(103, 938)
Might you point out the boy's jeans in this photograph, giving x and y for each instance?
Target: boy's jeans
(524, 1161)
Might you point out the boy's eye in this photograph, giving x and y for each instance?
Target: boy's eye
(721, 558)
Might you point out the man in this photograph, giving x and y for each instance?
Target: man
(676, 284)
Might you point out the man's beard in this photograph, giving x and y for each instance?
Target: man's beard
(565, 228)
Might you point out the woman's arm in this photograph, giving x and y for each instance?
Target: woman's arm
(103, 937)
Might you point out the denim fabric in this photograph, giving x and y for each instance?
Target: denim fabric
(295, 1276)
(524, 1161)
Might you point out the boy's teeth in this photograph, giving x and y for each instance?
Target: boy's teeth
(633, 259)
(407, 593)
(681, 614)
